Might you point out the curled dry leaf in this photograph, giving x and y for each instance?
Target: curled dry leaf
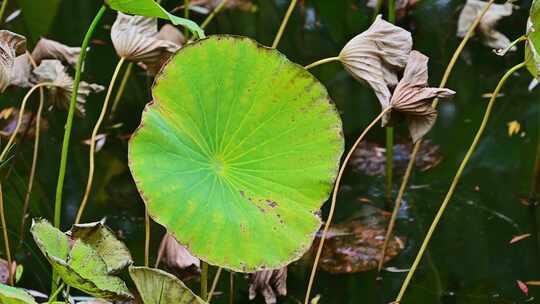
(135, 38)
(490, 36)
(60, 94)
(413, 98)
(176, 255)
(402, 6)
(8, 123)
(376, 56)
(11, 45)
(50, 49)
(166, 33)
(270, 283)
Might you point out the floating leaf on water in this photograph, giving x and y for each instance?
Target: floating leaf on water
(204, 146)
(490, 36)
(50, 49)
(412, 96)
(53, 71)
(78, 264)
(11, 46)
(159, 287)
(376, 56)
(518, 238)
(13, 295)
(270, 283)
(177, 256)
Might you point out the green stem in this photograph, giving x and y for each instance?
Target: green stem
(53, 296)
(412, 159)
(204, 280)
(121, 90)
(95, 131)
(456, 179)
(220, 6)
(322, 61)
(3, 10)
(334, 198)
(214, 284)
(284, 23)
(71, 112)
(392, 11)
(186, 15)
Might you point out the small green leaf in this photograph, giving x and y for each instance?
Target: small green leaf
(12, 295)
(159, 287)
(150, 8)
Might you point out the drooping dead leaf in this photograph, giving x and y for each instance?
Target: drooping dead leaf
(402, 7)
(518, 238)
(376, 56)
(8, 123)
(176, 255)
(490, 36)
(270, 283)
(11, 45)
(513, 127)
(50, 49)
(21, 72)
(60, 94)
(135, 38)
(412, 96)
(166, 33)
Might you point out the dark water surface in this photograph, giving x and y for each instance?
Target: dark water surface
(469, 259)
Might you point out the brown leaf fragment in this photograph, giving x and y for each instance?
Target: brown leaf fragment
(376, 56)
(50, 49)
(270, 283)
(166, 33)
(176, 255)
(412, 96)
(11, 45)
(518, 238)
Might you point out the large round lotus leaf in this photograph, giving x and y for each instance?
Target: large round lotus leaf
(237, 153)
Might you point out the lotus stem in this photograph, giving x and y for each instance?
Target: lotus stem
(210, 17)
(412, 159)
(284, 23)
(214, 284)
(334, 198)
(146, 237)
(231, 287)
(322, 61)
(33, 167)
(71, 112)
(455, 181)
(186, 16)
(6, 238)
(204, 280)
(392, 11)
(91, 169)
(53, 296)
(3, 10)
(121, 90)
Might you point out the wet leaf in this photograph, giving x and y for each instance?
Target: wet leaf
(413, 98)
(270, 283)
(192, 159)
(490, 36)
(50, 49)
(11, 45)
(176, 255)
(78, 264)
(376, 56)
(513, 127)
(518, 238)
(13, 295)
(523, 287)
(59, 96)
(159, 287)
(150, 8)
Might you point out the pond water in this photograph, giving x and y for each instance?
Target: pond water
(469, 259)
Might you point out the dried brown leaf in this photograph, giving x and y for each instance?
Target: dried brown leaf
(166, 33)
(176, 255)
(376, 56)
(11, 45)
(490, 36)
(21, 72)
(270, 283)
(413, 98)
(50, 49)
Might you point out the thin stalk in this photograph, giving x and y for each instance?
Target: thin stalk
(186, 15)
(6, 238)
(322, 61)
(392, 11)
(214, 284)
(284, 23)
(220, 6)
(389, 167)
(161, 250)
(204, 280)
(33, 167)
(91, 168)
(502, 52)
(3, 10)
(55, 294)
(121, 90)
(146, 237)
(412, 159)
(455, 181)
(231, 287)
(20, 117)
(71, 112)
(334, 198)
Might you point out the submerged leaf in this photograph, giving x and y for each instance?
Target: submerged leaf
(413, 98)
(490, 36)
(11, 45)
(270, 283)
(376, 56)
(60, 94)
(13, 295)
(50, 49)
(159, 287)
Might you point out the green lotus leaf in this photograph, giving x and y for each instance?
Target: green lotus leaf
(79, 265)
(157, 286)
(150, 8)
(532, 47)
(114, 252)
(237, 153)
(13, 295)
